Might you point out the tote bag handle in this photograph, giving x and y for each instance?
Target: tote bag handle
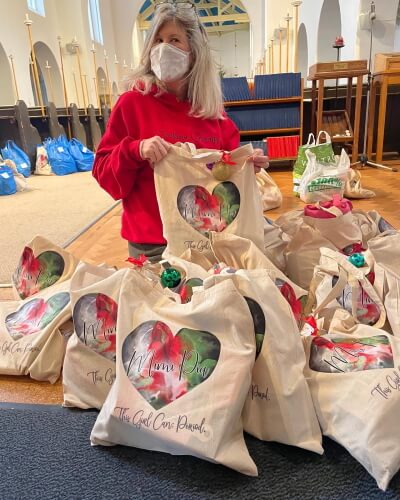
(327, 137)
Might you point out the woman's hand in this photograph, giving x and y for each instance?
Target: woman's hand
(154, 149)
(259, 159)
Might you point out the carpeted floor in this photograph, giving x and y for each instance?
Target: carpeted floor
(56, 207)
(45, 453)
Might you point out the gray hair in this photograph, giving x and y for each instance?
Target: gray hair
(204, 85)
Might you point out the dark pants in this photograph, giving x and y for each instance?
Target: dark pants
(152, 252)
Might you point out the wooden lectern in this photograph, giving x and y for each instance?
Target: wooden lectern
(386, 72)
(337, 122)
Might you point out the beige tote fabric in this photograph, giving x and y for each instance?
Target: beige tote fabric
(42, 264)
(278, 406)
(341, 230)
(290, 221)
(271, 195)
(354, 380)
(193, 202)
(240, 253)
(275, 243)
(182, 377)
(368, 224)
(385, 250)
(303, 254)
(338, 284)
(353, 188)
(30, 340)
(89, 364)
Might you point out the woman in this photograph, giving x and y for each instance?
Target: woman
(174, 96)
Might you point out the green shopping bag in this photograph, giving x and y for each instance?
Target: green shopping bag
(323, 152)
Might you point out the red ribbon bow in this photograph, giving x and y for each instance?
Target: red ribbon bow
(226, 158)
(137, 262)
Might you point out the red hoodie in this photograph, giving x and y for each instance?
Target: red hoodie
(121, 172)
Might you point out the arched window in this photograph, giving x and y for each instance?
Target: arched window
(96, 31)
(37, 6)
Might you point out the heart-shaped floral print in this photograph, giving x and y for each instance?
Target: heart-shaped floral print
(36, 273)
(209, 212)
(95, 323)
(35, 315)
(368, 312)
(164, 367)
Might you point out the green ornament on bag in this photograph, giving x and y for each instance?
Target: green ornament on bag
(170, 277)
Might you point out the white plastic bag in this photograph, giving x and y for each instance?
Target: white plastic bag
(321, 181)
(43, 166)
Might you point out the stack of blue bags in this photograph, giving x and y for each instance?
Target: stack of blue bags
(67, 157)
(12, 152)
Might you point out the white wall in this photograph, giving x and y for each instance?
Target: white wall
(235, 62)
(65, 18)
(69, 18)
(7, 91)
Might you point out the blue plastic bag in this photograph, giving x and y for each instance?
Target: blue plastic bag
(82, 155)
(7, 181)
(18, 156)
(59, 156)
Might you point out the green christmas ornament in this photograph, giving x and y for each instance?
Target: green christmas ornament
(357, 259)
(221, 171)
(170, 277)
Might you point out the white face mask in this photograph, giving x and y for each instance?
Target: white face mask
(168, 62)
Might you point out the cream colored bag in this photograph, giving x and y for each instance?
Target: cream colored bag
(385, 250)
(30, 340)
(338, 284)
(290, 221)
(353, 188)
(278, 406)
(183, 373)
(303, 254)
(271, 195)
(275, 243)
(341, 230)
(193, 203)
(354, 380)
(42, 264)
(89, 365)
(42, 166)
(240, 253)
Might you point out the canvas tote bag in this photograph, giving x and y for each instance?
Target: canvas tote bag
(193, 203)
(354, 380)
(42, 264)
(30, 340)
(275, 243)
(278, 406)
(182, 376)
(271, 195)
(240, 253)
(341, 230)
(385, 250)
(338, 284)
(89, 364)
(353, 188)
